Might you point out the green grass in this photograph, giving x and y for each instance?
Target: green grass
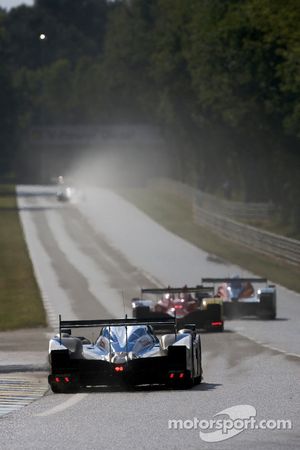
(175, 215)
(20, 300)
(275, 226)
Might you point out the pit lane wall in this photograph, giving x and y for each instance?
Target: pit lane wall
(205, 215)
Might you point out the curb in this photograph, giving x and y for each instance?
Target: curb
(12, 368)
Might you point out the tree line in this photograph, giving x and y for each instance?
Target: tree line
(222, 77)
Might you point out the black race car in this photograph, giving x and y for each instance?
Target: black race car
(127, 353)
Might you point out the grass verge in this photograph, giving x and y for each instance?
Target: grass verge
(176, 215)
(20, 299)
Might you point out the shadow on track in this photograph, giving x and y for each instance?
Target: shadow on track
(145, 388)
(207, 386)
(27, 208)
(35, 194)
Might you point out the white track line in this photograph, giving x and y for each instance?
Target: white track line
(97, 281)
(268, 346)
(63, 406)
(55, 299)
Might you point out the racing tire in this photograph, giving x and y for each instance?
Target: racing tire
(182, 386)
(141, 312)
(268, 315)
(197, 380)
(188, 384)
(63, 389)
(55, 389)
(210, 329)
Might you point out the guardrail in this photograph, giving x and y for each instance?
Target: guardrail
(232, 209)
(259, 240)
(252, 237)
(236, 210)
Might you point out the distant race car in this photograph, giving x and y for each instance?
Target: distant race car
(241, 299)
(66, 192)
(127, 353)
(188, 304)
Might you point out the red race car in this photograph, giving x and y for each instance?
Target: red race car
(176, 304)
(189, 305)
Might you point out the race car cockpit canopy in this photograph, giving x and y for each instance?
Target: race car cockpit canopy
(126, 338)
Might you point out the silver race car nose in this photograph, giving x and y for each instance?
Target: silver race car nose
(119, 358)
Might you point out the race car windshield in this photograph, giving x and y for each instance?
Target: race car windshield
(117, 337)
(236, 287)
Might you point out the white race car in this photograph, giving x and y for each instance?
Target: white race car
(66, 192)
(127, 352)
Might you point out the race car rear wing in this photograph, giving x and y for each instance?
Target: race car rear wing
(165, 322)
(68, 324)
(178, 290)
(230, 280)
(115, 322)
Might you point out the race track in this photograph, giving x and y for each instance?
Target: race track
(90, 259)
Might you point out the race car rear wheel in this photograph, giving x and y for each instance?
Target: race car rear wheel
(214, 328)
(55, 389)
(267, 315)
(185, 382)
(63, 389)
(141, 312)
(189, 384)
(197, 380)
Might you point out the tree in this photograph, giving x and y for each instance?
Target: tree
(7, 106)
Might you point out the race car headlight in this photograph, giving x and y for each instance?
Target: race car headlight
(204, 303)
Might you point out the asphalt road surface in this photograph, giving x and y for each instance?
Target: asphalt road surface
(90, 259)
